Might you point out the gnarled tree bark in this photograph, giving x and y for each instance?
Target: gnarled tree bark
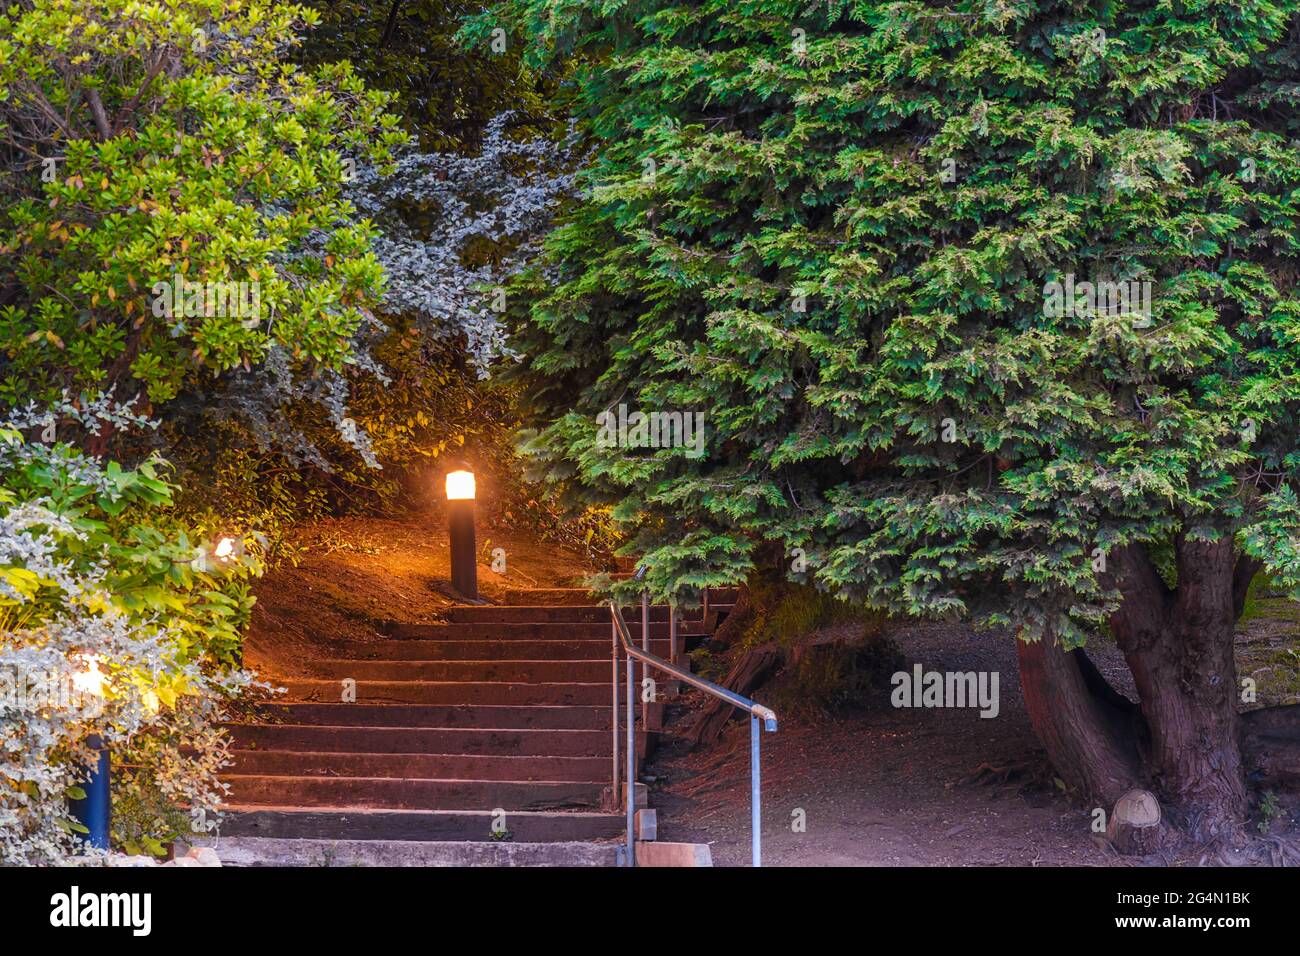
(1086, 735)
(1179, 646)
(1184, 738)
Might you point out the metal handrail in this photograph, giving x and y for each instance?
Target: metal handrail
(757, 712)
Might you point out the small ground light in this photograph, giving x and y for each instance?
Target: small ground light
(227, 548)
(94, 811)
(460, 521)
(92, 679)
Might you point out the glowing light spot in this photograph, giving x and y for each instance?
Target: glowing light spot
(91, 680)
(460, 485)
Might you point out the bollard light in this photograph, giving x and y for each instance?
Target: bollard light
(92, 679)
(460, 519)
(95, 810)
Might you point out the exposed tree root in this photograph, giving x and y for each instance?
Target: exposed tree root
(1252, 851)
(753, 668)
(986, 774)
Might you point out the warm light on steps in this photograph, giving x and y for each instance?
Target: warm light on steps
(445, 729)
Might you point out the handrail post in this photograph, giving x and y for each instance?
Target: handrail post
(645, 646)
(755, 807)
(613, 715)
(630, 796)
(757, 712)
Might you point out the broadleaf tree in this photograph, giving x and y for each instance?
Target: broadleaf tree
(174, 199)
(989, 309)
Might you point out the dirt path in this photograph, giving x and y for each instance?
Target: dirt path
(910, 787)
(885, 787)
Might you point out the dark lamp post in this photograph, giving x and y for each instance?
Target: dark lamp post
(95, 810)
(460, 518)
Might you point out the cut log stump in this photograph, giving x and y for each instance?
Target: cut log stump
(1134, 825)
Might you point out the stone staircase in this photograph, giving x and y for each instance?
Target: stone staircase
(497, 720)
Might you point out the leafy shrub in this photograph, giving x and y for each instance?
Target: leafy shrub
(448, 87)
(154, 148)
(115, 620)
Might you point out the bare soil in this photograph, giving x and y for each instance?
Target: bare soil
(351, 573)
(885, 786)
(920, 787)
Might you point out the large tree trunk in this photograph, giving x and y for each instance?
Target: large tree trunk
(1180, 650)
(1184, 738)
(1187, 683)
(1087, 736)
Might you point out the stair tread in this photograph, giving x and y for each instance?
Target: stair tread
(420, 824)
(503, 716)
(604, 661)
(485, 730)
(278, 851)
(557, 683)
(413, 792)
(343, 754)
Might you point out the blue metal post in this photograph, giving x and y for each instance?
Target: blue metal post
(755, 810)
(95, 810)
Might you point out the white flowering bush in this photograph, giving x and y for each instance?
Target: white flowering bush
(454, 228)
(115, 621)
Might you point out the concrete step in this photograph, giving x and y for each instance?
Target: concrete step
(410, 794)
(441, 716)
(523, 649)
(453, 766)
(466, 693)
(511, 671)
(522, 614)
(504, 710)
(656, 854)
(508, 631)
(297, 823)
(581, 595)
(262, 851)
(422, 740)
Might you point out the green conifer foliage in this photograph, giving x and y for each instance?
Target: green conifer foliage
(984, 304)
